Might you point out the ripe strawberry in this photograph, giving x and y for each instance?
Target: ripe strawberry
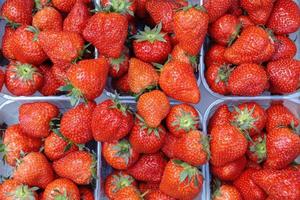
(2, 79)
(179, 54)
(148, 186)
(16, 143)
(226, 145)
(141, 76)
(150, 167)
(60, 72)
(128, 193)
(121, 84)
(61, 188)
(117, 181)
(141, 8)
(285, 17)
(225, 29)
(158, 195)
(230, 171)
(257, 151)
(215, 54)
(34, 170)
(17, 11)
(48, 19)
(35, 118)
(220, 117)
(190, 27)
(245, 21)
(242, 52)
(248, 80)
(181, 119)
(119, 66)
(284, 75)
(235, 8)
(216, 8)
(86, 193)
(78, 166)
(114, 113)
(284, 48)
(107, 32)
(181, 180)
(258, 11)
(246, 186)
(8, 43)
(153, 107)
(119, 154)
(63, 5)
(50, 84)
(170, 145)
(11, 189)
(181, 87)
(127, 7)
(77, 18)
(225, 192)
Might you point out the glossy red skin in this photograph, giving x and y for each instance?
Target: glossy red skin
(76, 123)
(120, 124)
(48, 19)
(223, 29)
(248, 80)
(252, 156)
(18, 11)
(61, 186)
(121, 84)
(156, 52)
(35, 118)
(16, 141)
(228, 192)
(216, 8)
(284, 48)
(144, 142)
(284, 75)
(150, 167)
(215, 55)
(285, 17)
(119, 71)
(60, 72)
(170, 145)
(86, 193)
(246, 186)
(220, 117)
(64, 5)
(8, 43)
(50, 84)
(77, 18)
(230, 171)
(246, 21)
(2, 79)
(107, 32)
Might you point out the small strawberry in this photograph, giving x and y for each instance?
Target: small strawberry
(48, 19)
(61, 188)
(245, 21)
(215, 54)
(220, 117)
(284, 48)
(8, 47)
(86, 193)
(153, 107)
(128, 193)
(285, 17)
(35, 118)
(216, 8)
(11, 189)
(224, 192)
(257, 150)
(78, 166)
(119, 154)
(121, 84)
(50, 84)
(63, 5)
(119, 66)
(181, 180)
(179, 54)
(17, 11)
(34, 170)
(170, 145)
(248, 80)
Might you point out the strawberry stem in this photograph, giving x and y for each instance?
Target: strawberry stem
(150, 35)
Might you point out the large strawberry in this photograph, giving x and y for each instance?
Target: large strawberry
(8, 43)
(18, 11)
(284, 48)
(215, 54)
(64, 5)
(35, 118)
(114, 113)
(178, 81)
(61, 188)
(226, 191)
(11, 189)
(285, 17)
(48, 19)
(181, 180)
(216, 8)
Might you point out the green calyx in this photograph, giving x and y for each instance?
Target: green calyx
(185, 121)
(150, 130)
(224, 73)
(35, 31)
(25, 72)
(74, 93)
(118, 105)
(120, 181)
(123, 150)
(196, 6)
(116, 62)
(149, 88)
(235, 34)
(58, 195)
(244, 119)
(23, 192)
(188, 173)
(120, 6)
(150, 35)
(260, 149)
(10, 23)
(205, 145)
(93, 167)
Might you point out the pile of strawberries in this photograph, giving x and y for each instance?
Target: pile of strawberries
(252, 152)
(252, 53)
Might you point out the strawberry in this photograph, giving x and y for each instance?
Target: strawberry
(170, 145)
(153, 107)
(284, 48)
(86, 193)
(245, 21)
(127, 7)
(248, 80)
(121, 84)
(2, 79)
(284, 75)
(8, 43)
(215, 54)
(216, 8)
(16, 143)
(179, 54)
(146, 140)
(258, 11)
(190, 27)
(114, 113)
(77, 18)
(141, 8)
(241, 50)
(150, 167)
(61, 188)
(220, 117)
(152, 45)
(11, 189)
(119, 154)
(158, 195)
(63, 5)
(226, 145)
(17, 11)
(148, 186)
(119, 66)
(128, 193)
(117, 181)
(285, 17)
(34, 170)
(141, 76)
(225, 29)
(182, 88)
(257, 151)
(59, 71)
(78, 166)
(230, 171)
(181, 119)
(50, 84)
(235, 8)
(181, 180)
(48, 19)
(283, 147)
(225, 192)
(107, 32)
(35, 118)
(246, 186)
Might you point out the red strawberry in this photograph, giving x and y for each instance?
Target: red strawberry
(141, 8)
(148, 186)
(245, 21)
(34, 170)
(119, 154)
(50, 84)
(216, 8)
(170, 145)
(284, 75)
(179, 54)
(248, 80)
(64, 5)
(158, 195)
(285, 17)
(150, 167)
(35, 118)
(119, 66)
(257, 151)
(242, 50)
(129, 193)
(235, 8)
(61, 188)
(60, 72)
(215, 54)
(48, 19)
(114, 113)
(11, 189)
(284, 48)
(121, 84)
(220, 117)
(18, 11)
(86, 193)
(8, 47)
(225, 192)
